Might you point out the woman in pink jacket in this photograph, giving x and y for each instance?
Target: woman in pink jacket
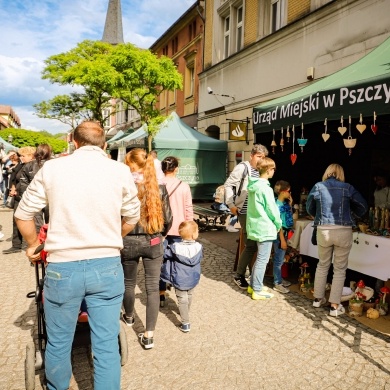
(180, 200)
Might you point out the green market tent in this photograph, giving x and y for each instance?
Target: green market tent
(7, 145)
(202, 159)
(118, 135)
(361, 88)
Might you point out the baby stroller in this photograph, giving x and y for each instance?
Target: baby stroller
(35, 351)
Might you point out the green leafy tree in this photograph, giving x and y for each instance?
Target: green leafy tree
(85, 65)
(33, 138)
(141, 78)
(124, 71)
(69, 109)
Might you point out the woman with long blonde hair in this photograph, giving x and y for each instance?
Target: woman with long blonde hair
(146, 241)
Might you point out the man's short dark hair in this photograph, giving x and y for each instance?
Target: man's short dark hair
(89, 133)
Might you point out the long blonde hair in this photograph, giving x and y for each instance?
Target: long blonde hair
(151, 219)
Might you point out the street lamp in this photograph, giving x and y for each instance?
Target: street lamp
(10, 138)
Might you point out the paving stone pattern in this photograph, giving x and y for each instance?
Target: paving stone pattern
(234, 343)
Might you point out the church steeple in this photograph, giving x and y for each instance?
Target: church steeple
(113, 31)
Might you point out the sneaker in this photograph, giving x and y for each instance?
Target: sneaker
(128, 320)
(241, 282)
(286, 283)
(185, 327)
(265, 289)
(262, 295)
(146, 342)
(334, 312)
(231, 229)
(319, 302)
(280, 288)
(11, 250)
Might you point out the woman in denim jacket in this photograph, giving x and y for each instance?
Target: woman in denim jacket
(333, 204)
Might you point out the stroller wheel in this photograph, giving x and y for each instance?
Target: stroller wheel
(29, 366)
(123, 344)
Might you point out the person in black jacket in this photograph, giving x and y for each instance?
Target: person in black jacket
(29, 170)
(26, 154)
(146, 241)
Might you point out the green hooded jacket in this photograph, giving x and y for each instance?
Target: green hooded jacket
(263, 217)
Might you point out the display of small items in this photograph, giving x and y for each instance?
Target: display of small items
(304, 278)
(302, 202)
(379, 221)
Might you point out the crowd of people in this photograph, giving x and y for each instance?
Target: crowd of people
(141, 210)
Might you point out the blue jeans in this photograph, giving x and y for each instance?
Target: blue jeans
(278, 261)
(101, 283)
(258, 270)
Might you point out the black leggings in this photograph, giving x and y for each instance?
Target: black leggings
(134, 248)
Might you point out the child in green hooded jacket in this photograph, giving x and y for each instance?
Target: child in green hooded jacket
(263, 224)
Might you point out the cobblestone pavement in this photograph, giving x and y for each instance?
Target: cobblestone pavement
(234, 343)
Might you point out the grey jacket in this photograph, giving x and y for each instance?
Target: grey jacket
(232, 184)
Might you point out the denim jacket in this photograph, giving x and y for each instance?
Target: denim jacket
(333, 202)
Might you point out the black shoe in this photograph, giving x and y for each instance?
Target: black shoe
(129, 321)
(162, 300)
(11, 250)
(241, 282)
(147, 342)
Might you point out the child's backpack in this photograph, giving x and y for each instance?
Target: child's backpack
(219, 195)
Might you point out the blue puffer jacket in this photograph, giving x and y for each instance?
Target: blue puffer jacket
(181, 266)
(333, 202)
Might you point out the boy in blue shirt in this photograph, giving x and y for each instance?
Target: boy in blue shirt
(283, 191)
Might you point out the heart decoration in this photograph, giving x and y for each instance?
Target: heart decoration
(293, 158)
(374, 127)
(325, 136)
(342, 130)
(360, 126)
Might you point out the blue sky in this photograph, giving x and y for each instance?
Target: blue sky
(32, 30)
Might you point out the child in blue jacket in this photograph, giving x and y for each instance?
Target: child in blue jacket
(181, 268)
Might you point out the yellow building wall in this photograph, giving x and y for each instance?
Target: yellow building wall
(251, 21)
(208, 35)
(297, 9)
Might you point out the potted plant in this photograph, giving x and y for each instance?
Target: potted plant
(356, 304)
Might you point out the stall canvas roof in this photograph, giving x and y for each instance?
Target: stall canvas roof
(361, 88)
(118, 135)
(7, 145)
(175, 134)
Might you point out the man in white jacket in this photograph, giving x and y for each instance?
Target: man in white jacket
(237, 200)
(93, 203)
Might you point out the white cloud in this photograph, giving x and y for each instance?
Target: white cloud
(33, 30)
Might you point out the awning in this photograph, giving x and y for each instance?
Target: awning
(361, 88)
(7, 145)
(135, 139)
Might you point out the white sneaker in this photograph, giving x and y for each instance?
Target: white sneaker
(334, 312)
(280, 288)
(319, 302)
(231, 229)
(286, 283)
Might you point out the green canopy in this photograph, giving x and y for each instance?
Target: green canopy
(7, 145)
(361, 88)
(118, 135)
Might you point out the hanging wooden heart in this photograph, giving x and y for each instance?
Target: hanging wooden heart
(341, 128)
(325, 136)
(360, 126)
(293, 158)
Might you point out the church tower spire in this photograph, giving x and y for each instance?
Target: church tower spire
(113, 30)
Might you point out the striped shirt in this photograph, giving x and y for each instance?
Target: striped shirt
(254, 173)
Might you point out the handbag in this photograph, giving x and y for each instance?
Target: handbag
(314, 236)
(10, 202)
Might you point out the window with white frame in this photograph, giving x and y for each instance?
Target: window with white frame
(226, 38)
(239, 28)
(231, 27)
(278, 14)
